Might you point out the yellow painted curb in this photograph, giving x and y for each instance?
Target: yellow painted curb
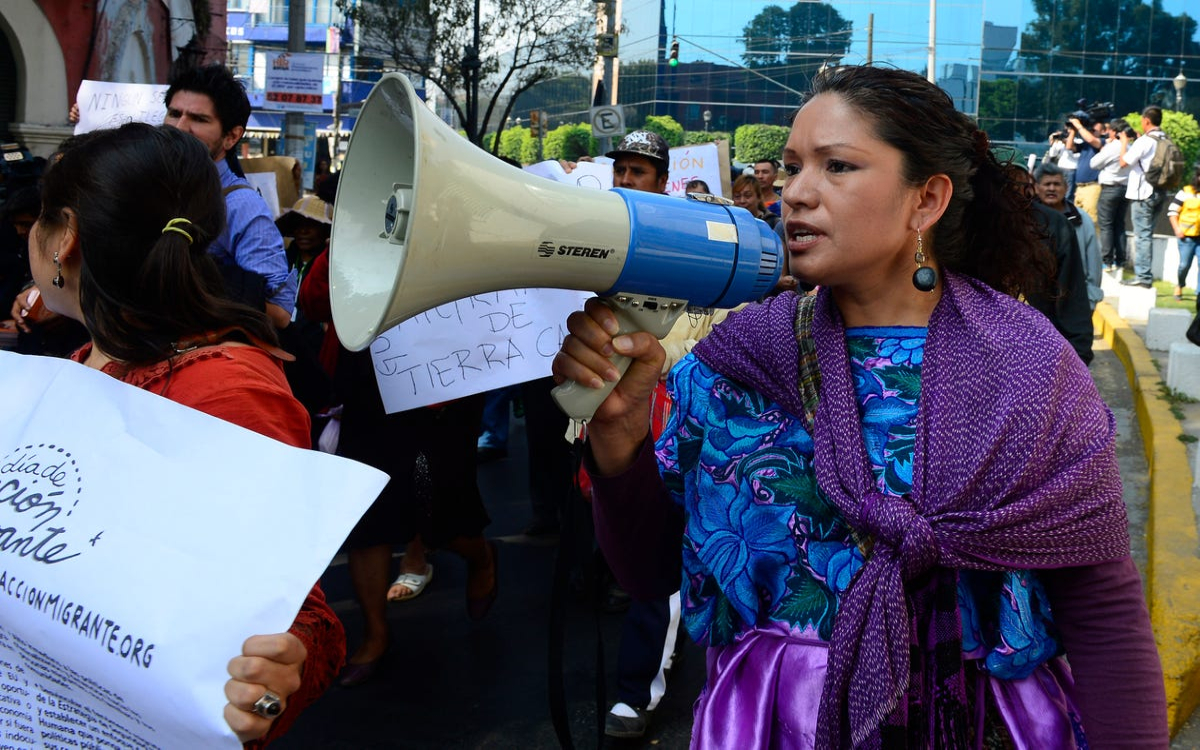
(1173, 571)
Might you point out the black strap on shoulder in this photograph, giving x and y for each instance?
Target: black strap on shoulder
(810, 374)
(225, 193)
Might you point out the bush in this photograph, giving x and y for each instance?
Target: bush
(512, 142)
(569, 142)
(757, 142)
(667, 127)
(702, 136)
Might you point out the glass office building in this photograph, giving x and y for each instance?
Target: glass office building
(1019, 66)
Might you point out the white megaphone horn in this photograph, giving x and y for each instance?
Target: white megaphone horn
(423, 218)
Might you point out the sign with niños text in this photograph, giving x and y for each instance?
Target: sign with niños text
(141, 542)
(472, 345)
(111, 105)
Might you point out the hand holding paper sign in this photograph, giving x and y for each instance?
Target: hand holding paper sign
(269, 667)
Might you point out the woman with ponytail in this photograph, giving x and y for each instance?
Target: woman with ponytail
(898, 499)
(120, 246)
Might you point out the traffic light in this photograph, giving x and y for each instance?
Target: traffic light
(535, 123)
(673, 58)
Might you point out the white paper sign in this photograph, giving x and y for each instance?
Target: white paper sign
(699, 162)
(141, 542)
(295, 81)
(264, 183)
(110, 105)
(472, 345)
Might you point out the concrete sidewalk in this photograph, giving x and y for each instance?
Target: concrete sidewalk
(1172, 568)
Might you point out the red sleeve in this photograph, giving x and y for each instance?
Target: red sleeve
(313, 298)
(319, 629)
(1101, 612)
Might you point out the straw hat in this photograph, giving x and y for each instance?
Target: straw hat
(308, 207)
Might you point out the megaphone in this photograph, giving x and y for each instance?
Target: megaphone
(423, 217)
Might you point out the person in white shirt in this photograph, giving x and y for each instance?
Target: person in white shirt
(1145, 199)
(1110, 210)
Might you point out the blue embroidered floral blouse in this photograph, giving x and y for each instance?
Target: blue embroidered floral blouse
(761, 543)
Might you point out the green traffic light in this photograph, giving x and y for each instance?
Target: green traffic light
(673, 62)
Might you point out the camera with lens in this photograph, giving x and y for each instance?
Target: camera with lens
(1088, 114)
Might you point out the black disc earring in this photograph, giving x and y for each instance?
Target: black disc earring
(924, 278)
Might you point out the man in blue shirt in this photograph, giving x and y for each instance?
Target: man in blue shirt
(210, 104)
(1088, 141)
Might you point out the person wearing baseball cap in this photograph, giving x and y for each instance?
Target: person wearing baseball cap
(641, 162)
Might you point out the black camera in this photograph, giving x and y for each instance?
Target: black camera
(1088, 114)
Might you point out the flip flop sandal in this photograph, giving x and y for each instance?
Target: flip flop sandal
(414, 582)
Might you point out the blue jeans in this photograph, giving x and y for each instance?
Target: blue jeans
(493, 428)
(1143, 213)
(1110, 222)
(1187, 251)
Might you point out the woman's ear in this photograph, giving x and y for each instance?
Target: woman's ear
(932, 199)
(66, 244)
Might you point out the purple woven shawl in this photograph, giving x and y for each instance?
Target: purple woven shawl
(1014, 468)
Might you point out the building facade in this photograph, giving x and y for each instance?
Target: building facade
(1020, 67)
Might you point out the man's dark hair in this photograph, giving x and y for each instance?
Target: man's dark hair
(216, 82)
(774, 164)
(1048, 170)
(1153, 113)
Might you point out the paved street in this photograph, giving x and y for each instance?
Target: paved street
(450, 683)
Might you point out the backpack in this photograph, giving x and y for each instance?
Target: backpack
(1166, 165)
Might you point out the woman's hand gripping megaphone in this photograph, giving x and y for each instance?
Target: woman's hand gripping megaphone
(611, 360)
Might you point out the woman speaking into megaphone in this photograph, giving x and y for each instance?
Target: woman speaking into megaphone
(894, 505)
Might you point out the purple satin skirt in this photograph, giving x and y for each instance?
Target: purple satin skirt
(764, 691)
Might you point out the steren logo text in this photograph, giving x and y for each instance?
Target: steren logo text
(546, 249)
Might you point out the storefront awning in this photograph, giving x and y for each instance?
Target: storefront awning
(270, 124)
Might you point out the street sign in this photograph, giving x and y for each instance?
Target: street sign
(606, 45)
(607, 121)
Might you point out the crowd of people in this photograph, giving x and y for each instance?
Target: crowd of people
(889, 508)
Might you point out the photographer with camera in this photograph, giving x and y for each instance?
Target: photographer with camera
(1089, 139)
(1114, 178)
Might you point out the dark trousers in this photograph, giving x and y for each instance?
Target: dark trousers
(550, 459)
(646, 642)
(1110, 214)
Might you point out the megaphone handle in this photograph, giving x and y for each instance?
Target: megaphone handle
(634, 313)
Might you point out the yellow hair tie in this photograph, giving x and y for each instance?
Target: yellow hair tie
(171, 227)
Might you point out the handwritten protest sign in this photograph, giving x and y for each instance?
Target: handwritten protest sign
(698, 162)
(472, 345)
(141, 542)
(110, 105)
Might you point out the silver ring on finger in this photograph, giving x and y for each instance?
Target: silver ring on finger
(268, 706)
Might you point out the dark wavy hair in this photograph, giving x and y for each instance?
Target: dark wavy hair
(142, 290)
(217, 83)
(987, 230)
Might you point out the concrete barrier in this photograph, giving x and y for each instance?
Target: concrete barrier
(1165, 326)
(1183, 368)
(1173, 568)
(1136, 303)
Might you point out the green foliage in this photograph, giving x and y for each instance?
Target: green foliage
(512, 143)
(755, 142)
(705, 136)
(569, 142)
(531, 151)
(1180, 127)
(667, 127)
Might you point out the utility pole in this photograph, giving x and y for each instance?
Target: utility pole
(293, 130)
(470, 65)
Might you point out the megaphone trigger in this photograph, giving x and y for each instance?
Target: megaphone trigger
(634, 312)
